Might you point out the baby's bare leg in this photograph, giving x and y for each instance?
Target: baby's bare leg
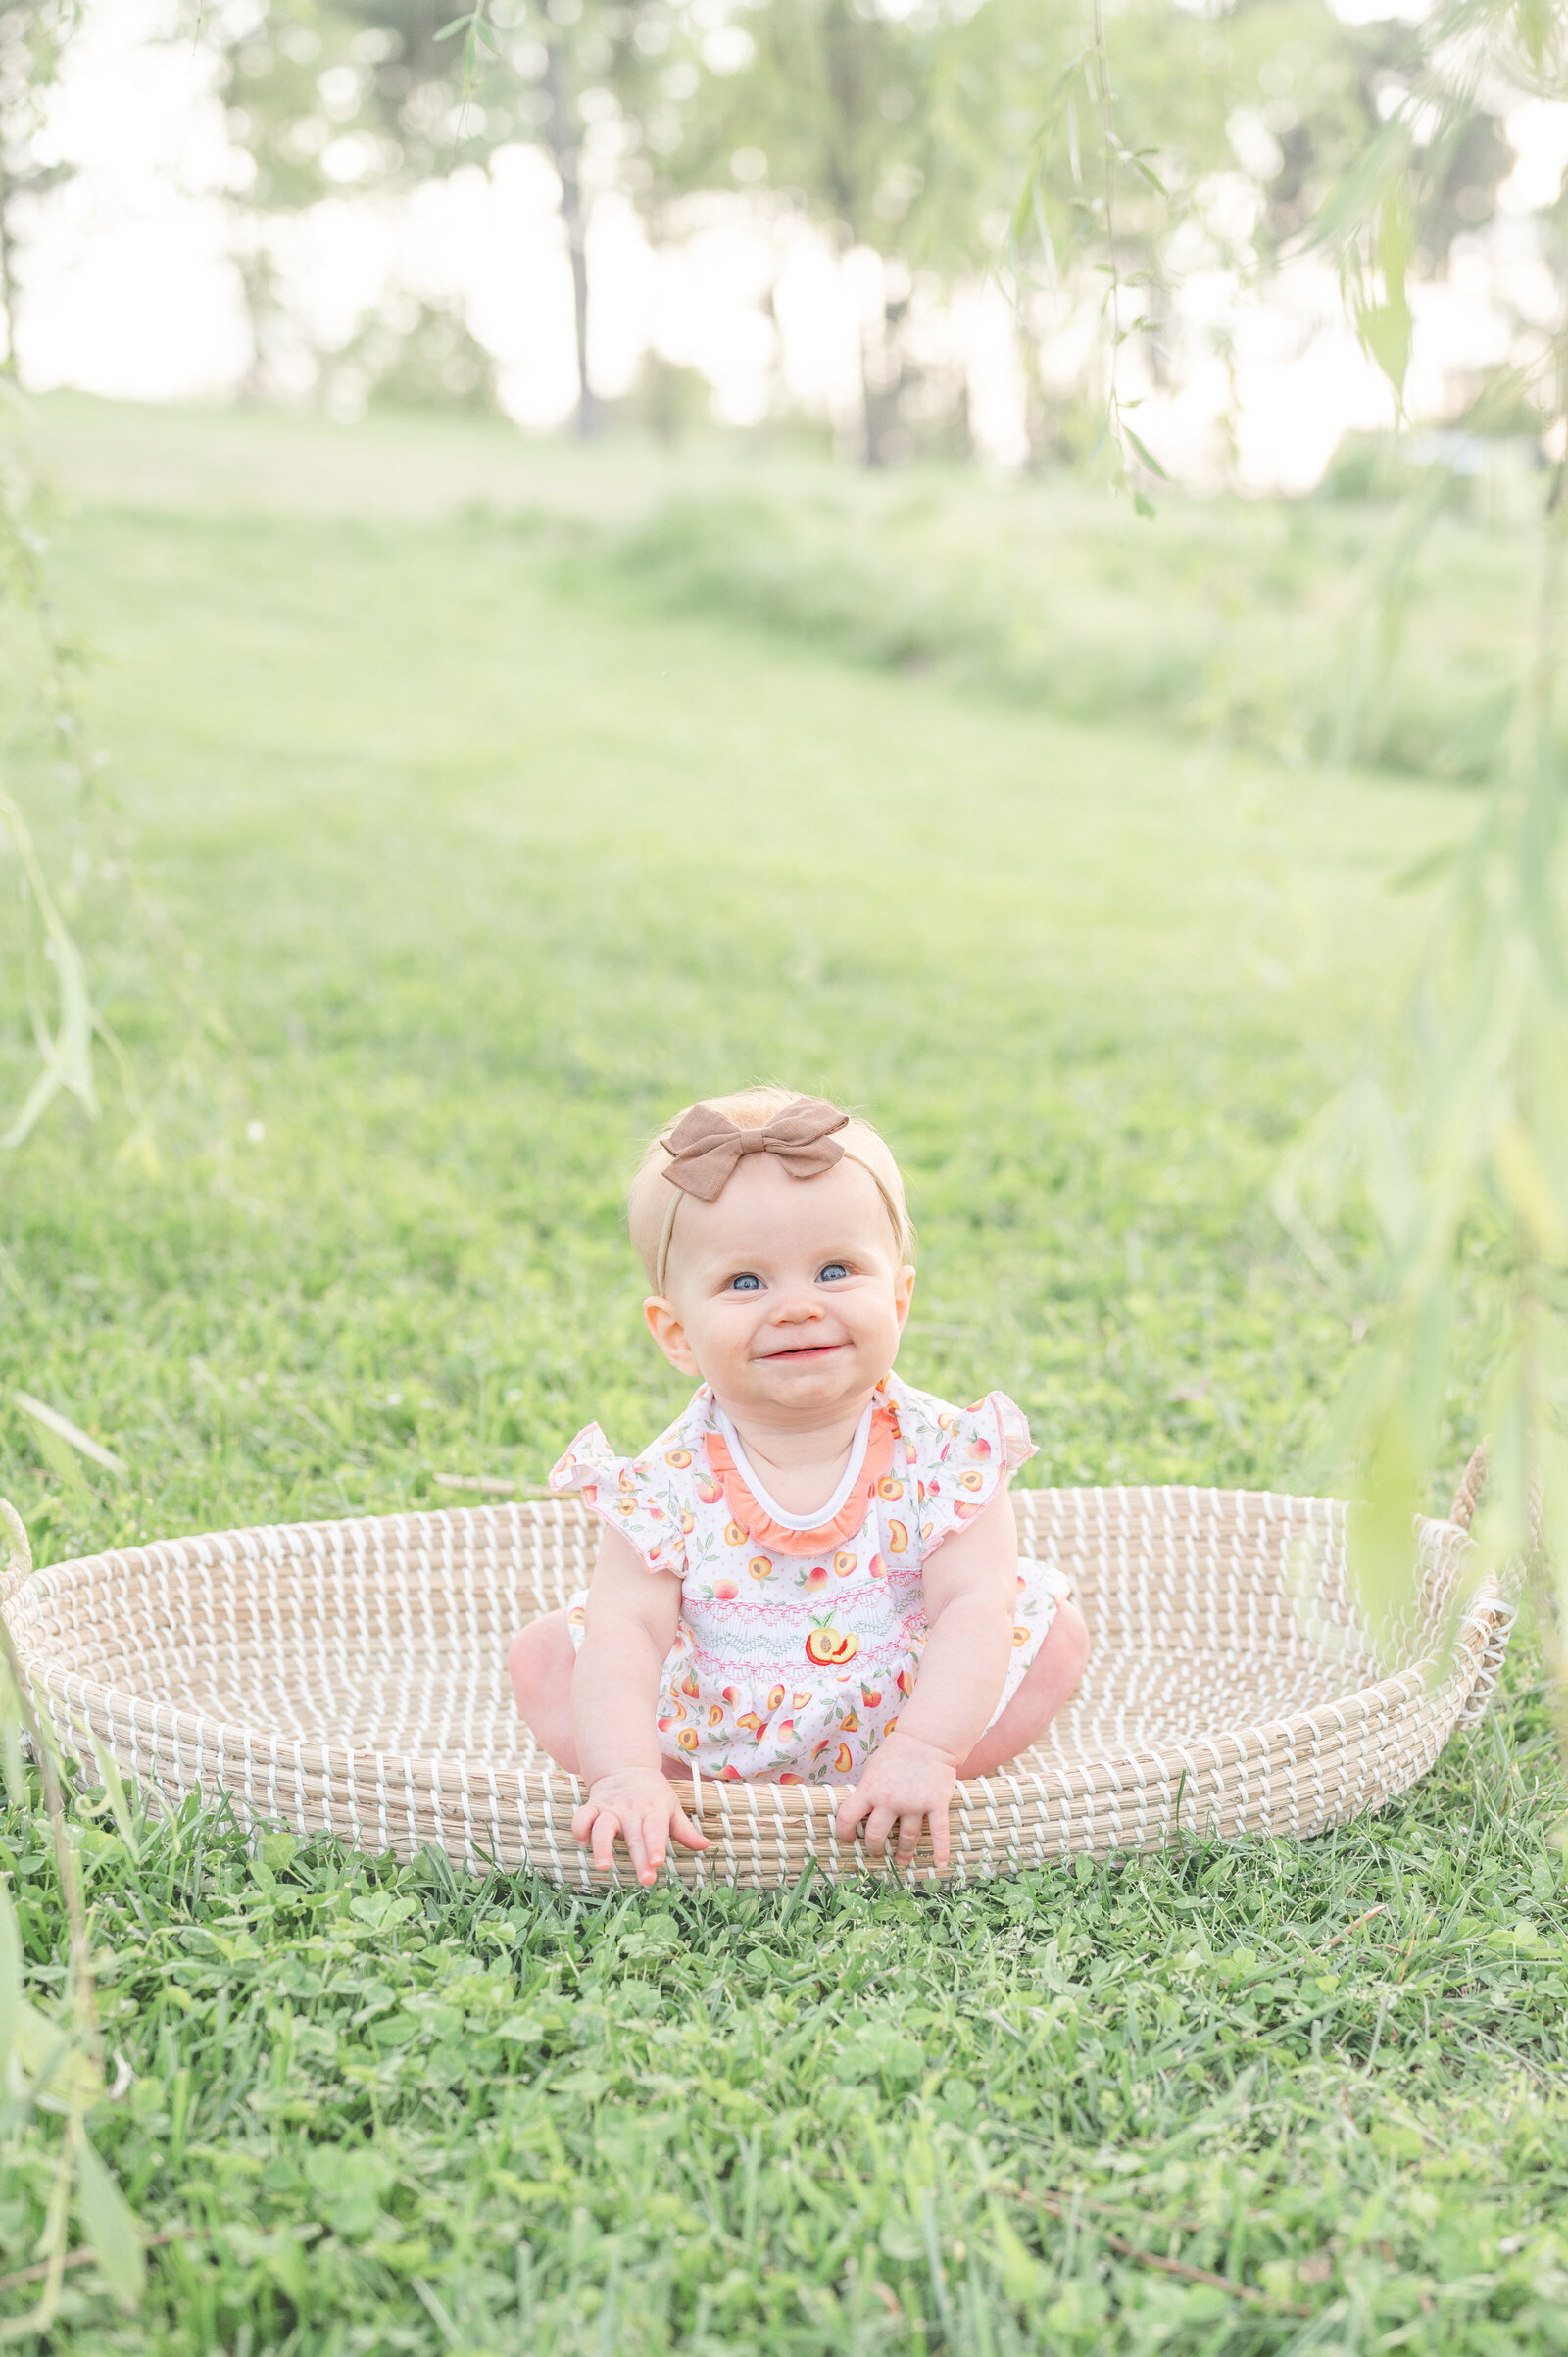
(1046, 1685)
(541, 1658)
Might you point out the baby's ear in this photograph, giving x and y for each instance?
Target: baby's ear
(903, 1293)
(664, 1324)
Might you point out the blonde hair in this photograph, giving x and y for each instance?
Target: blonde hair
(647, 1198)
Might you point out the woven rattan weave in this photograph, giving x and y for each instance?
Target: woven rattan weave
(351, 1677)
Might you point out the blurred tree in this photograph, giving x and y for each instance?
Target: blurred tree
(292, 74)
(334, 97)
(1152, 143)
(33, 37)
(828, 105)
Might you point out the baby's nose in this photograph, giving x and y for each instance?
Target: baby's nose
(791, 1307)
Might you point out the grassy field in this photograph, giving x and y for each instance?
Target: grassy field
(491, 842)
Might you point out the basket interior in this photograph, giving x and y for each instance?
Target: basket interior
(1209, 1610)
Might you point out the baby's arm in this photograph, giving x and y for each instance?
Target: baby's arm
(632, 1615)
(971, 1580)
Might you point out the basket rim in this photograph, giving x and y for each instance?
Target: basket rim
(493, 1511)
(1109, 1770)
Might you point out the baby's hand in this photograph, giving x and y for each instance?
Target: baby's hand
(908, 1780)
(640, 1805)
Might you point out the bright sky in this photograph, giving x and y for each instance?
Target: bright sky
(131, 290)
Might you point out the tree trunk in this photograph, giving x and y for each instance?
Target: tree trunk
(565, 154)
(883, 376)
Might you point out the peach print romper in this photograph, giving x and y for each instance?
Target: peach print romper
(797, 1646)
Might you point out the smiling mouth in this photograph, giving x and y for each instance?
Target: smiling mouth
(806, 1351)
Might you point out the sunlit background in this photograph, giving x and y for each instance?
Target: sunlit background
(131, 266)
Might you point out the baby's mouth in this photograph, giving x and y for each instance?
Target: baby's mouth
(805, 1351)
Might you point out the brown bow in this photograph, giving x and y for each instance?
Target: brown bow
(705, 1145)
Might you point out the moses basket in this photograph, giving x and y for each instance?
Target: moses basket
(349, 1678)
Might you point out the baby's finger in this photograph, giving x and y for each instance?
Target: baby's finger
(852, 1809)
(940, 1840)
(583, 1820)
(878, 1827)
(909, 1836)
(685, 1832)
(607, 1825)
(644, 1845)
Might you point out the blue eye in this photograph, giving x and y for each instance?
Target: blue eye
(831, 1272)
(746, 1284)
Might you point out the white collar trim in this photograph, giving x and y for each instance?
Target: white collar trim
(776, 1512)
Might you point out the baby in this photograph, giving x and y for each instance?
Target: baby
(813, 1576)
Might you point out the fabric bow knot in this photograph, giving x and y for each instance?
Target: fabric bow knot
(705, 1145)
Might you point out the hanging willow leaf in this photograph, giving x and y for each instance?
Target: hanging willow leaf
(10, 1983)
(109, 2227)
(65, 1429)
(65, 1051)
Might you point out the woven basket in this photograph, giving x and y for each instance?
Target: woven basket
(349, 1677)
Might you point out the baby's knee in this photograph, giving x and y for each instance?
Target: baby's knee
(538, 1658)
(1069, 1642)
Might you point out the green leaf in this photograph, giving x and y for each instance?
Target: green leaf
(1426, 870)
(65, 2076)
(114, 1785)
(110, 2228)
(1022, 2275)
(62, 1427)
(1384, 327)
(1144, 453)
(11, 2000)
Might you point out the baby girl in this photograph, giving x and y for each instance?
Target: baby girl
(813, 1576)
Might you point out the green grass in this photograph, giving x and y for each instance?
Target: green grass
(488, 865)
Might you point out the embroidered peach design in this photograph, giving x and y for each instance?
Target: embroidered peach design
(889, 1489)
(897, 1539)
(680, 1458)
(843, 1561)
(829, 1648)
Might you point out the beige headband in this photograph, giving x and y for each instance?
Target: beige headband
(706, 1148)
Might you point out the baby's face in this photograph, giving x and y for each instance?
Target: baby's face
(786, 1294)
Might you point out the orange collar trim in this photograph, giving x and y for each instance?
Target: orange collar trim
(760, 1527)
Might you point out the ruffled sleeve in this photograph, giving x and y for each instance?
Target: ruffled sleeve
(638, 1496)
(960, 1456)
